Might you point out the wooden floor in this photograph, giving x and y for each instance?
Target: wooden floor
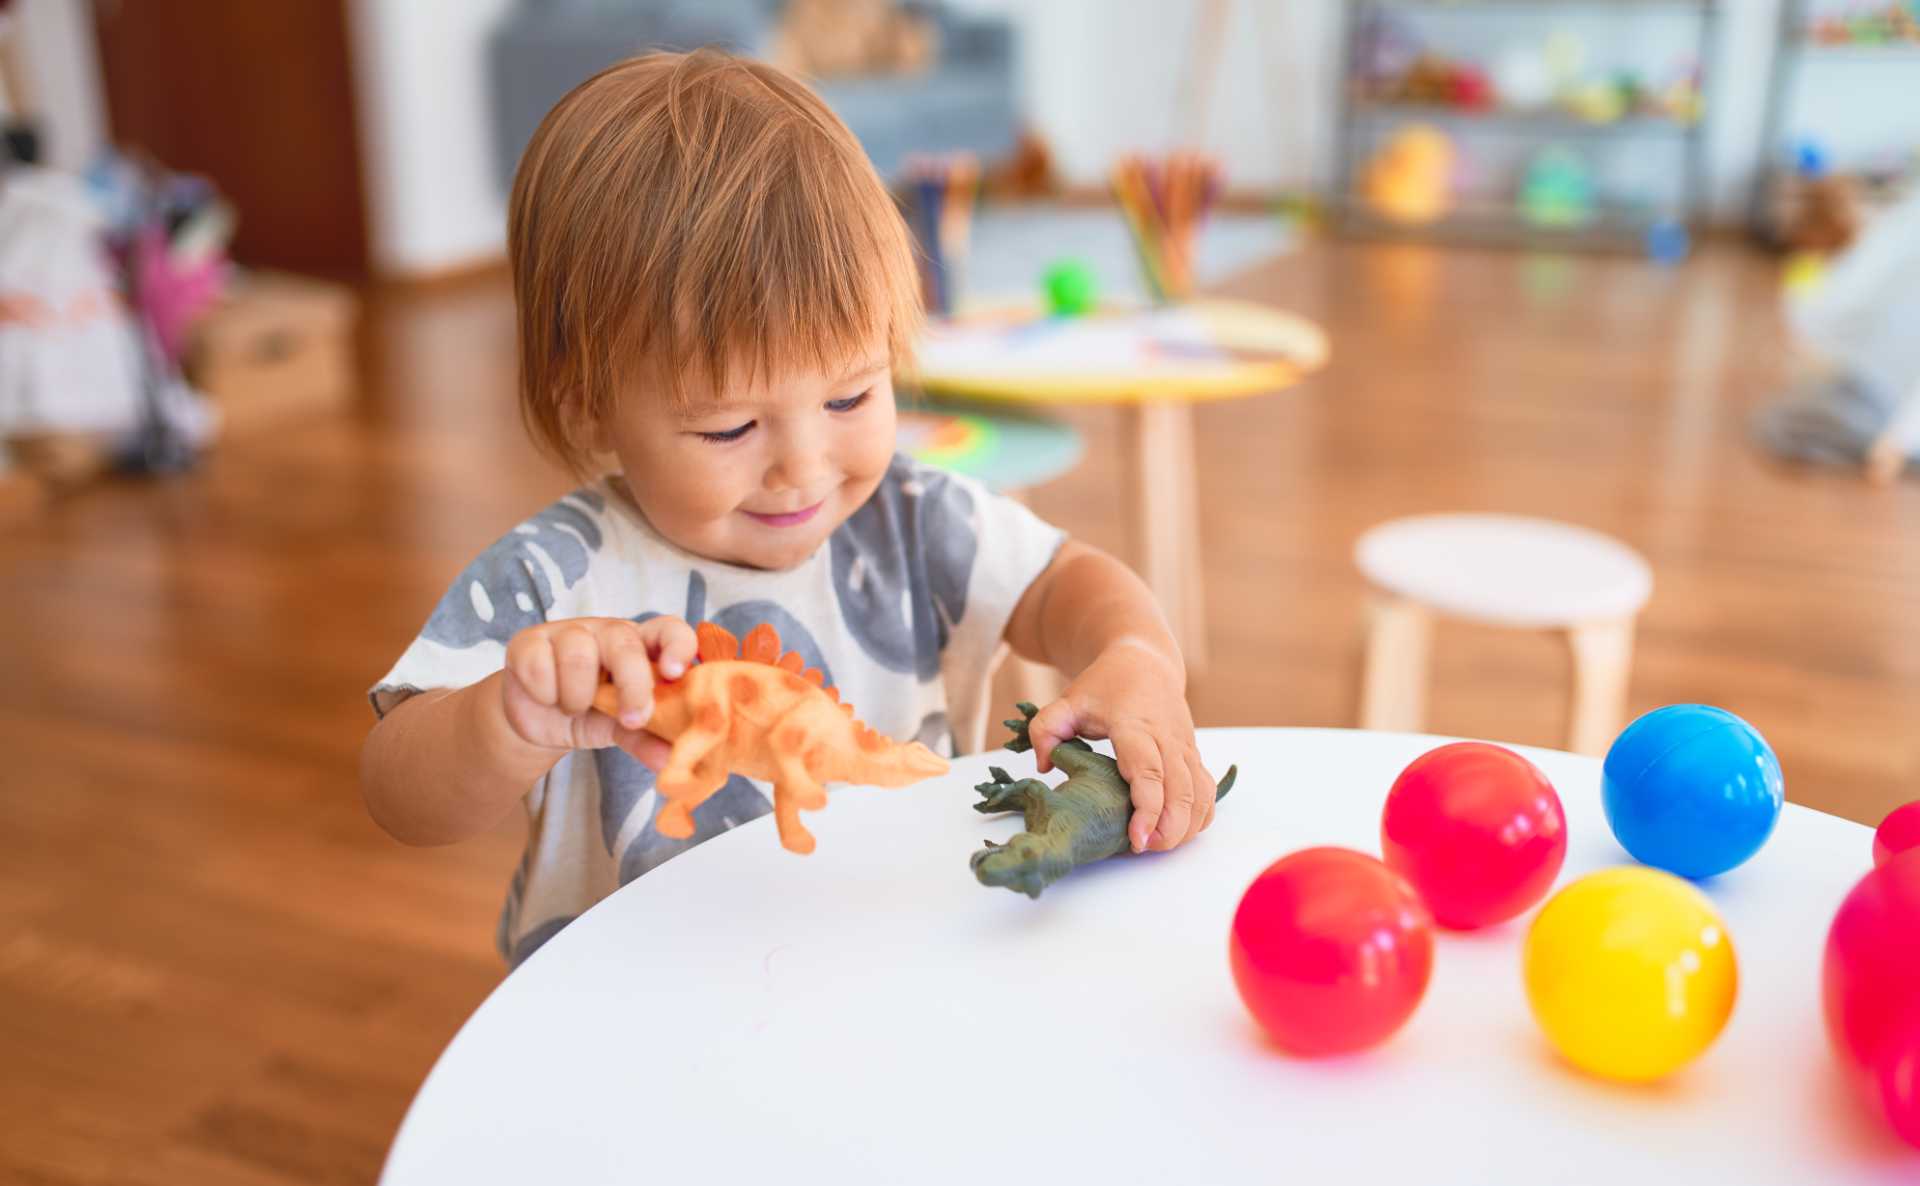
(213, 969)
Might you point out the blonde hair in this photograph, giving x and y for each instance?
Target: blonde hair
(701, 213)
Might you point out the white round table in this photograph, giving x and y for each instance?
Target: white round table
(871, 1014)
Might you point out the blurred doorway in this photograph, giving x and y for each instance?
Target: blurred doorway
(259, 98)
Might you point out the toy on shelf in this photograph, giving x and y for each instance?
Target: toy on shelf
(1165, 203)
(1396, 70)
(1668, 241)
(1081, 821)
(1871, 980)
(1630, 973)
(1432, 80)
(1691, 789)
(1331, 951)
(1477, 830)
(1893, 23)
(1815, 208)
(746, 708)
(1410, 180)
(944, 191)
(1603, 101)
(1897, 833)
(1557, 191)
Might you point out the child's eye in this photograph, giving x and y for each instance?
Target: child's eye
(731, 434)
(848, 404)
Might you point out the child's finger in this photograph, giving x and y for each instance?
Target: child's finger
(673, 643)
(1050, 726)
(1177, 814)
(1204, 794)
(576, 661)
(623, 652)
(1139, 760)
(530, 662)
(649, 750)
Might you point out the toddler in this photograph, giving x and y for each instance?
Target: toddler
(713, 289)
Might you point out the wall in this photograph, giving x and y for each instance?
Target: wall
(65, 78)
(420, 79)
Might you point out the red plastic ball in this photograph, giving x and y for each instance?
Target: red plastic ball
(1478, 830)
(1872, 989)
(1897, 833)
(1331, 951)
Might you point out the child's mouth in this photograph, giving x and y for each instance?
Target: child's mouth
(786, 518)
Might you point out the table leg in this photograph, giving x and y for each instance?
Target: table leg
(1166, 497)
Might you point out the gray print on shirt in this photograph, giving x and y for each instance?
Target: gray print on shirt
(506, 589)
(901, 565)
(732, 805)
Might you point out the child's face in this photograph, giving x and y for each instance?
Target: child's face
(760, 474)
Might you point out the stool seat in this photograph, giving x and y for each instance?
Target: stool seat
(1503, 570)
(1507, 570)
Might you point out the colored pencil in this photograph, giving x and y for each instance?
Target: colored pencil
(944, 189)
(1165, 203)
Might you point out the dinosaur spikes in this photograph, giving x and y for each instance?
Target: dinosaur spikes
(762, 645)
(846, 708)
(814, 676)
(717, 644)
(791, 661)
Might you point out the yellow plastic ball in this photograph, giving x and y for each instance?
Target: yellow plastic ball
(1631, 973)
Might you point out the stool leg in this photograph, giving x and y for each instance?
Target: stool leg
(1394, 691)
(1602, 662)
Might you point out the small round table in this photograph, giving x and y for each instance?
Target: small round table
(1155, 363)
(871, 1014)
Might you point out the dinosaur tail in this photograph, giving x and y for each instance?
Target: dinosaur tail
(900, 766)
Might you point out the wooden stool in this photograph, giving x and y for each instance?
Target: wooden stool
(1504, 570)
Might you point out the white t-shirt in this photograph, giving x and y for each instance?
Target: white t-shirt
(903, 609)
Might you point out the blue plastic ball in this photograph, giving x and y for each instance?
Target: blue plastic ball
(1691, 789)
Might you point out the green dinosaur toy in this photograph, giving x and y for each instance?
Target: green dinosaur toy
(1081, 821)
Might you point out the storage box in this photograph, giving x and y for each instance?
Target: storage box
(276, 348)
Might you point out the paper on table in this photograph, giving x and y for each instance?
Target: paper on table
(1164, 341)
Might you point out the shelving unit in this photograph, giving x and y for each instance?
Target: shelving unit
(1366, 121)
(1797, 52)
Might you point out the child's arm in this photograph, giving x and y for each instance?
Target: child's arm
(1092, 618)
(447, 764)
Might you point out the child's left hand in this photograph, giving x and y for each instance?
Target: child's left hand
(1134, 696)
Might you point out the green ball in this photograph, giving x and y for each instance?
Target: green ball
(1072, 288)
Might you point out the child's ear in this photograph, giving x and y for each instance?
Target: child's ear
(598, 438)
(586, 430)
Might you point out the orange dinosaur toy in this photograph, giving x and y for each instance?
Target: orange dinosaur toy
(746, 708)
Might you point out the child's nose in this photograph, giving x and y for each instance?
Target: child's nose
(799, 467)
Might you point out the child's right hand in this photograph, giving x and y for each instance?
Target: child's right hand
(553, 671)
